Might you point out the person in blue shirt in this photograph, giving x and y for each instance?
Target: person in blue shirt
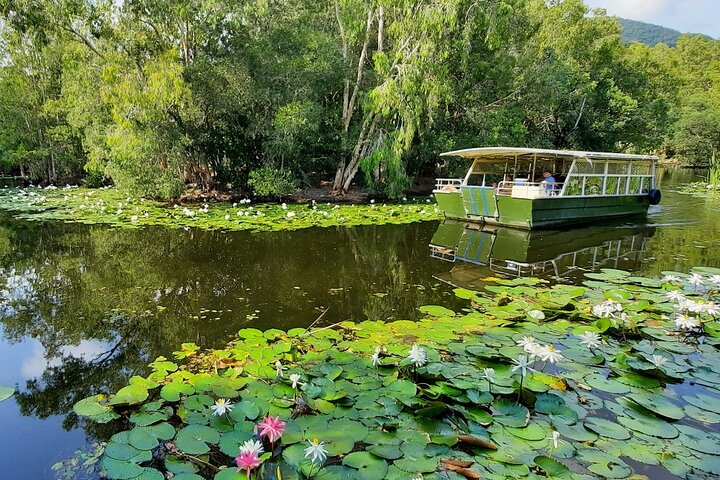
(548, 181)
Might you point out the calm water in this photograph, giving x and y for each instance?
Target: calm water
(83, 308)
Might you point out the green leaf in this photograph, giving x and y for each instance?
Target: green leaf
(658, 405)
(509, 413)
(92, 408)
(553, 468)
(369, 466)
(194, 439)
(606, 428)
(436, 311)
(649, 426)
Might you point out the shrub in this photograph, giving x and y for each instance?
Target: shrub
(269, 181)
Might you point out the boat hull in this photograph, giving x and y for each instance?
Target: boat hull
(528, 213)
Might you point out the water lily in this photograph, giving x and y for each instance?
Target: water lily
(227, 217)
(670, 279)
(696, 280)
(278, 369)
(590, 339)
(221, 406)
(252, 446)
(715, 280)
(712, 309)
(537, 314)
(376, 357)
(488, 374)
(524, 341)
(522, 363)
(290, 214)
(555, 438)
(658, 360)
(685, 322)
(270, 427)
(549, 354)
(134, 218)
(295, 379)
(417, 356)
(606, 309)
(284, 206)
(316, 451)
(247, 461)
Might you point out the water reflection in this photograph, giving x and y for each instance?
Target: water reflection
(479, 251)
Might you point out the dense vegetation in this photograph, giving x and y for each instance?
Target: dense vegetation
(270, 95)
(647, 33)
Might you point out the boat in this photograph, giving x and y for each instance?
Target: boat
(481, 251)
(506, 186)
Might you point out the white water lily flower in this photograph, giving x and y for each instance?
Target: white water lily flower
(670, 279)
(712, 309)
(549, 354)
(221, 407)
(715, 280)
(525, 341)
(590, 339)
(658, 360)
(522, 363)
(227, 217)
(316, 451)
(534, 350)
(537, 314)
(606, 309)
(417, 356)
(555, 438)
(134, 218)
(376, 357)
(290, 214)
(488, 374)
(675, 296)
(284, 206)
(295, 379)
(696, 280)
(278, 369)
(685, 322)
(252, 446)
(694, 307)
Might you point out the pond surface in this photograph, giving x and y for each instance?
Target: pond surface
(83, 308)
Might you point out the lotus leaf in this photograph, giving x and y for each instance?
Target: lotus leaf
(194, 439)
(606, 428)
(658, 405)
(553, 468)
(92, 408)
(509, 413)
(649, 426)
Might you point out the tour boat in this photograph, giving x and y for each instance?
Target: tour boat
(506, 186)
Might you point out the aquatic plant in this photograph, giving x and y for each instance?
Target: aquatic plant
(112, 207)
(477, 404)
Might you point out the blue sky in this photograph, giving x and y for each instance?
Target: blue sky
(691, 16)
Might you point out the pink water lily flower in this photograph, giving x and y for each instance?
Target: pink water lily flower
(247, 461)
(270, 427)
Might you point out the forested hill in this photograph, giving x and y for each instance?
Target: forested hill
(647, 33)
(267, 96)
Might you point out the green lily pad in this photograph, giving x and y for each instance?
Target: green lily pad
(575, 432)
(194, 439)
(699, 440)
(658, 405)
(553, 468)
(368, 465)
(703, 401)
(649, 426)
(92, 408)
(606, 428)
(609, 385)
(509, 413)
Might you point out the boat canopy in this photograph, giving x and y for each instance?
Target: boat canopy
(493, 154)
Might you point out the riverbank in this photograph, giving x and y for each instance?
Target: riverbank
(112, 207)
(612, 378)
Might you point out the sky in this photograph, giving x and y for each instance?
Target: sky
(686, 16)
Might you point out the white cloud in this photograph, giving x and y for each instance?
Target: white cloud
(34, 365)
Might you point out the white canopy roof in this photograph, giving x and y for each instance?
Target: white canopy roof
(496, 153)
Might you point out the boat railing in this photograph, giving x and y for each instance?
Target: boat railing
(448, 184)
(520, 188)
(442, 253)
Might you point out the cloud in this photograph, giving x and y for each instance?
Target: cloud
(34, 365)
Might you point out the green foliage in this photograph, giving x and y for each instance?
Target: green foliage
(647, 33)
(271, 182)
(381, 414)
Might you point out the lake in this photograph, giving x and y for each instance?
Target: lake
(83, 308)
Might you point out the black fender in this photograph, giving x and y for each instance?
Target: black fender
(654, 195)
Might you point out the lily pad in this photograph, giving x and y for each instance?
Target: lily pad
(606, 428)
(194, 439)
(658, 405)
(649, 426)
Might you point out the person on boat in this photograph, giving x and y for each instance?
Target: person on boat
(548, 181)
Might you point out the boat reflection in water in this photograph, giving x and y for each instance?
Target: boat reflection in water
(479, 251)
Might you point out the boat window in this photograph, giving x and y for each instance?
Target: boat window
(635, 185)
(611, 185)
(593, 185)
(622, 182)
(573, 186)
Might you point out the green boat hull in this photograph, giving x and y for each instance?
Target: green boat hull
(480, 204)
